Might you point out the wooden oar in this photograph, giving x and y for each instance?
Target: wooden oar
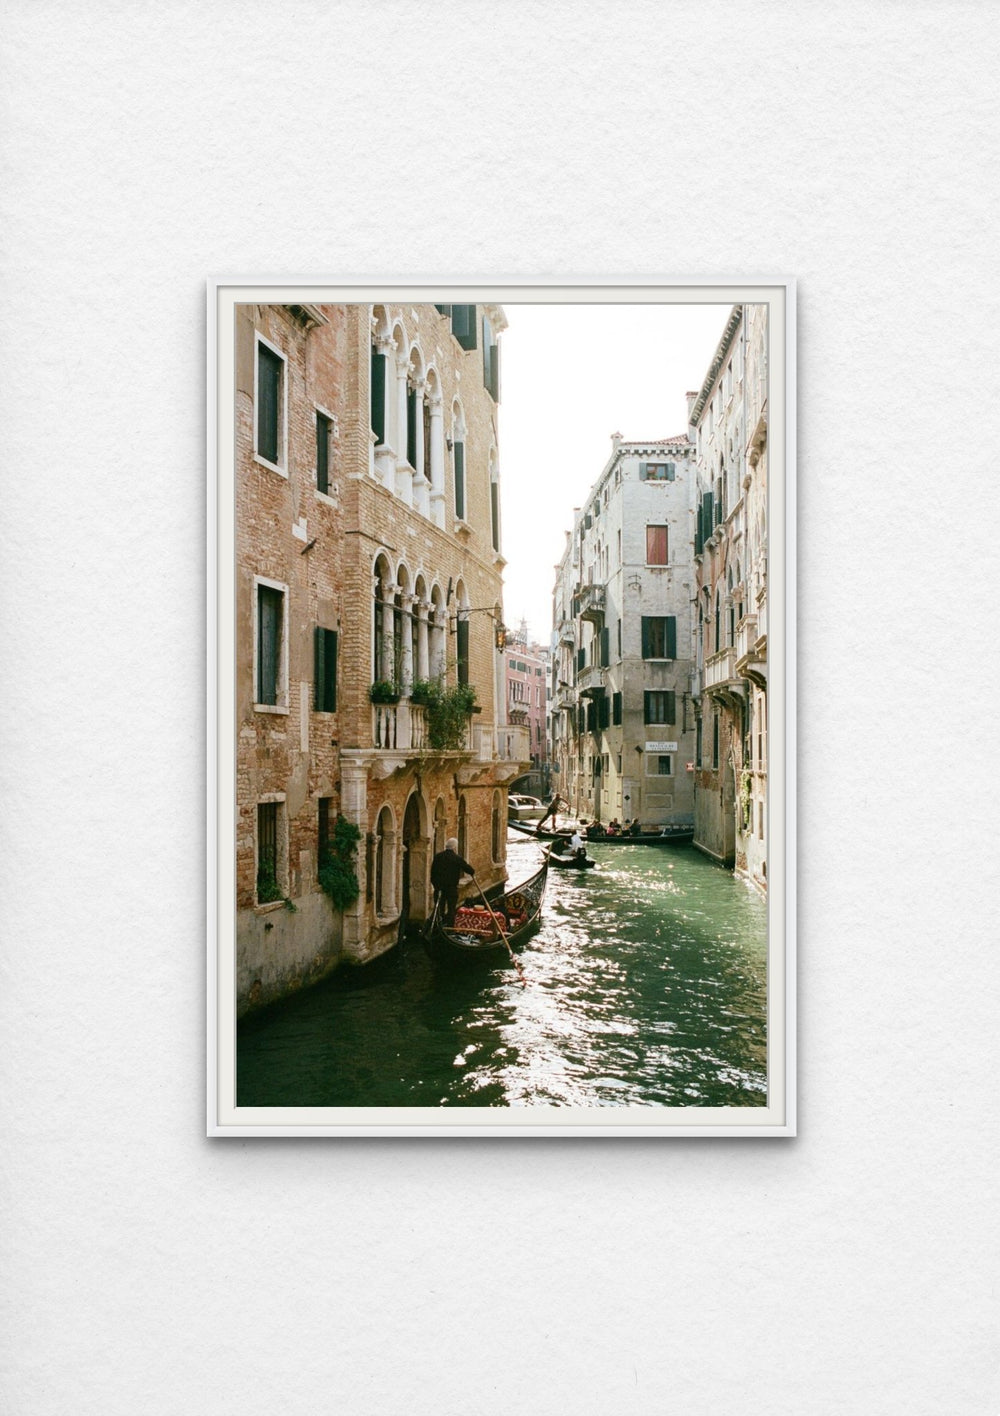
(496, 920)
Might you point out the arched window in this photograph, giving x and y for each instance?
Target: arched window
(385, 657)
(385, 863)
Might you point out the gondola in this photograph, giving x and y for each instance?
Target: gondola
(475, 937)
(569, 862)
(674, 836)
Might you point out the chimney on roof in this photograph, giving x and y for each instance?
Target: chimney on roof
(616, 442)
(692, 399)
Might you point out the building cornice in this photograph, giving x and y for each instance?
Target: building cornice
(718, 359)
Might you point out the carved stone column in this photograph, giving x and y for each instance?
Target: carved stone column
(423, 657)
(406, 645)
(437, 462)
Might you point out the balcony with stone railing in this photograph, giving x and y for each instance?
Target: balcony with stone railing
(399, 727)
(591, 678)
(751, 649)
(720, 670)
(591, 601)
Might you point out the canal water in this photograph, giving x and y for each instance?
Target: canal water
(646, 985)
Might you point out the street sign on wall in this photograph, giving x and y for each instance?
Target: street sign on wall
(661, 747)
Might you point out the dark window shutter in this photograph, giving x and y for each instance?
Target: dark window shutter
(268, 643)
(670, 707)
(411, 426)
(671, 471)
(591, 716)
(642, 471)
(462, 646)
(495, 514)
(325, 670)
(268, 402)
(322, 453)
(603, 711)
(616, 709)
(378, 395)
(463, 325)
(707, 514)
(460, 481)
(699, 539)
(581, 658)
(605, 646)
(647, 650)
(647, 707)
(443, 310)
(495, 373)
(671, 636)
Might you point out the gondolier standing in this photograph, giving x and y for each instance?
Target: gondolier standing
(447, 869)
(551, 810)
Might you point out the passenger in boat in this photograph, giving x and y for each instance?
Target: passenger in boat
(635, 829)
(614, 827)
(447, 869)
(551, 810)
(576, 845)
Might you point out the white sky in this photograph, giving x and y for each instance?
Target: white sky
(571, 375)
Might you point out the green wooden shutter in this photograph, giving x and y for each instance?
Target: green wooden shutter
(463, 325)
(642, 471)
(670, 715)
(460, 481)
(268, 643)
(603, 711)
(671, 471)
(647, 706)
(322, 453)
(605, 646)
(495, 514)
(443, 310)
(707, 510)
(325, 672)
(462, 648)
(268, 402)
(411, 426)
(378, 395)
(671, 636)
(616, 708)
(647, 647)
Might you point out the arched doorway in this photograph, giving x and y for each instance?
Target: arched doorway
(415, 841)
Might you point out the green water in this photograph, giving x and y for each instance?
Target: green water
(645, 986)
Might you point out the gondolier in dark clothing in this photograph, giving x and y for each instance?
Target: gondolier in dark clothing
(447, 869)
(551, 810)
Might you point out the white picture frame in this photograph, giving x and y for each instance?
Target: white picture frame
(778, 1117)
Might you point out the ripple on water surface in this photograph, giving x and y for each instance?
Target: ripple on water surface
(646, 985)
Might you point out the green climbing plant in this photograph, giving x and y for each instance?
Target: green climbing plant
(448, 712)
(745, 799)
(337, 876)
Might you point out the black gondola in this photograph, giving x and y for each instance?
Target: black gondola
(518, 911)
(673, 835)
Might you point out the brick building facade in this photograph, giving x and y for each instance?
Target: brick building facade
(369, 567)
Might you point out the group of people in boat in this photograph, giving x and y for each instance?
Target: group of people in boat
(595, 831)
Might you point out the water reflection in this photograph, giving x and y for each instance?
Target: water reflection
(645, 985)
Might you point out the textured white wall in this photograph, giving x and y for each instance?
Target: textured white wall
(150, 1270)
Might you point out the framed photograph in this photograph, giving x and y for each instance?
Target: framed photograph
(501, 708)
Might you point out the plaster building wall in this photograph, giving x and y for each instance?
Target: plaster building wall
(729, 426)
(289, 585)
(625, 594)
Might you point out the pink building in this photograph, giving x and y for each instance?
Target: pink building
(527, 672)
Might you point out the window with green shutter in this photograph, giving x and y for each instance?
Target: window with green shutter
(659, 636)
(324, 429)
(325, 670)
(495, 514)
(659, 706)
(459, 455)
(378, 395)
(463, 325)
(270, 367)
(603, 711)
(462, 650)
(616, 709)
(605, 647)
(411, 426)
(270, 604)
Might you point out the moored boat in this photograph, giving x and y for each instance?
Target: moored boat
(669, 835)
(487, 933)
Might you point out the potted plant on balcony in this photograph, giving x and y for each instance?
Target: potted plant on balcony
(384, 691)
(424, 691)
